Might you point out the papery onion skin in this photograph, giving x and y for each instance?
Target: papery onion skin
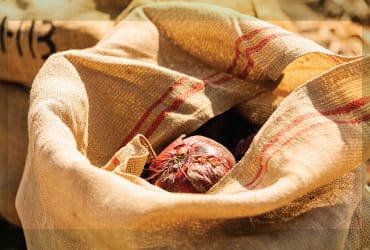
(190, 165)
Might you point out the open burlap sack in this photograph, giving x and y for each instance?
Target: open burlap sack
(30, 33)
(163, 71)
(29, 37)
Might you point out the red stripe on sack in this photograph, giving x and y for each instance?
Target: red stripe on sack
(331, 57)
(174, 106)
(254, 49)
(348, 107)
(302, 131)
(151, 108)
(222, 80)
(251, 50)
(212, 75)
(248, 68)
(155, 104)
(274, 140)
(262, 169)
(362, 119)
(242, 38)
(115, 161)
(277, 137)
(336, 111)
(178, 101)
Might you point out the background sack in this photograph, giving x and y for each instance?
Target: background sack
(29, 34)
(13, 146)
(297, 186)
(268, 10)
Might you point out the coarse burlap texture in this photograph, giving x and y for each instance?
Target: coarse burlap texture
(14, 100)
(268, 10)
(165, 70)
(31, 31)
(30, 34)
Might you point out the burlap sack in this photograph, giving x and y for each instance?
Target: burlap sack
(13, 145)
(358, 236)
(113, 7)
(268, 10)
(242, 6)
(27, 37)
(30, 34)
(27, 44)
(163, 71)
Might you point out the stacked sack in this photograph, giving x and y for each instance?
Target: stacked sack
(28, 37)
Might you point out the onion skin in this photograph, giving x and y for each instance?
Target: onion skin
(190, 165)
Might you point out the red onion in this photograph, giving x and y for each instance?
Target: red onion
(190, 165)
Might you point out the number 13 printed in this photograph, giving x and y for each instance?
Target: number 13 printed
(45, 38)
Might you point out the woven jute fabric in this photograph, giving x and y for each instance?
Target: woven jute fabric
(30, 35)
(98, 115)
(13, 145)
(31, 31)
(358, 236)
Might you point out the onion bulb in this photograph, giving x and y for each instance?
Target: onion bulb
(190, 165)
